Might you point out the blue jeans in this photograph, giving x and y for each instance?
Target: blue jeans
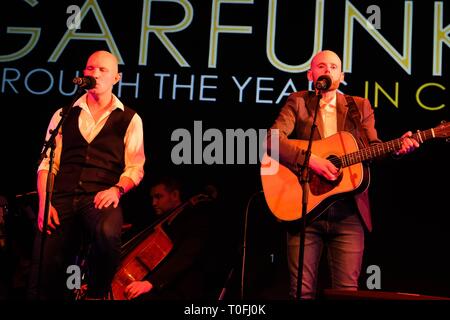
(340, 229)
(79, 221)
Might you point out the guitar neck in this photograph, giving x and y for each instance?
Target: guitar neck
(381, 149)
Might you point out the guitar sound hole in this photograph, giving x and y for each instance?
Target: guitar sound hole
(336, 161)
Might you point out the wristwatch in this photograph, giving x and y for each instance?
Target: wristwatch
(121, 189)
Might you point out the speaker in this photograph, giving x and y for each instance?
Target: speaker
(339, 294)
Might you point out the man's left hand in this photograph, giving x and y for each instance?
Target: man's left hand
(105, 198)
(408, 144)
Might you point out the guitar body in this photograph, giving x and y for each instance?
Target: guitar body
(283, 192)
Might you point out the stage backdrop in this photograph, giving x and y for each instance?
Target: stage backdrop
(195, 68)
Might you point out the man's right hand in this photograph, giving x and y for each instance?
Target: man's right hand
(53, 219)
(323, 167)
(136, 288)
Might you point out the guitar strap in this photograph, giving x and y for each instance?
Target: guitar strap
(356, 117)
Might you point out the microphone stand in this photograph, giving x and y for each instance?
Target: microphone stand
(304, 183)
(244, 245)
(50, 143)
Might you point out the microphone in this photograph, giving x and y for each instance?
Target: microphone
(323, 82)
(86, 82)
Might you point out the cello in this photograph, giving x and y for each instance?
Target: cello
(145, 251)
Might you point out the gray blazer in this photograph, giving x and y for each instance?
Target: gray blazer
(295, 120)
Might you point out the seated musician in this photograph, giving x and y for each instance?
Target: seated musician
(181, 275)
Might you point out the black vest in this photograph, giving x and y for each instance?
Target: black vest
(94, 166)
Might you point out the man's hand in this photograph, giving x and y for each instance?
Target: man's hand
(323, 167)
(105, 198)
(136, 288)
(408, 144)
(53, 219)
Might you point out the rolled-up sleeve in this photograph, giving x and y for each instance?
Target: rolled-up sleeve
(134, 150)
(44, 165)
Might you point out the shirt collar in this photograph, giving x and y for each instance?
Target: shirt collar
(332, 103)
(82, 103)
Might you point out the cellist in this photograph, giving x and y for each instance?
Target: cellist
(181, 274)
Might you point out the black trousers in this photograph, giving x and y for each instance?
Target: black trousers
(80, 222)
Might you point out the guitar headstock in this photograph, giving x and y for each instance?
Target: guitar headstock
(442, 130)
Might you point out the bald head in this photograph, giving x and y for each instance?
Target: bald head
(326, 55)
(106, 59)
(103, 66)
(328, 63)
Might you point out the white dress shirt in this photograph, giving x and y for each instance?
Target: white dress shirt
(329, 118)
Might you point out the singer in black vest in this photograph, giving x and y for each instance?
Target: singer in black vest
(99, 156)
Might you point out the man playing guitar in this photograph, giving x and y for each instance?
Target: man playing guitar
(341, 225)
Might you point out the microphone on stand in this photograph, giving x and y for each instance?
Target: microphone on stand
(86, 82)
(323, 82)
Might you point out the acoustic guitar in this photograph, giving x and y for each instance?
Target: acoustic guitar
(283, 192)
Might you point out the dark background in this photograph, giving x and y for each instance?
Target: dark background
(409, 196)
